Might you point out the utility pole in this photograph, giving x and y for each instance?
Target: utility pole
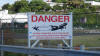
(2, 38)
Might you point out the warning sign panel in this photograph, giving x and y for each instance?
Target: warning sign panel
(49, 27)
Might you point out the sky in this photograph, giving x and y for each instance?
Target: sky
(2, 2)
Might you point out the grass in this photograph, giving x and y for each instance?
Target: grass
(14, 54)
(87, 40)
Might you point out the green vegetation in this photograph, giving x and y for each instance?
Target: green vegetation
(39, 5)
(75, 6)
(87, 40)
(60, 1)
(25, 6)
(94, 0)
(14, 54)
(21, 6)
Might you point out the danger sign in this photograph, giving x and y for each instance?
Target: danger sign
(50, 18)
(49, 27)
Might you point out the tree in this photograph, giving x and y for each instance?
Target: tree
(6, 6)
(57, 7)
(92, 8)
(64, 1)
(59, 1)
(21, 6)
(38, 5)
(64, 7)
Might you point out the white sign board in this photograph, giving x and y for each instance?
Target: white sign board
(49, 27)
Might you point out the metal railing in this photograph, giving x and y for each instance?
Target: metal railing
(47, 51)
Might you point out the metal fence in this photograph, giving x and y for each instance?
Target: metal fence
(47, 51)
(86, 30)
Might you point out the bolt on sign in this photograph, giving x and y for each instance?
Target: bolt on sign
(49, 27)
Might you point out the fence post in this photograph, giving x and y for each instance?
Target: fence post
(82, 47)
(2, 36)
(60, 46)
(41, 45)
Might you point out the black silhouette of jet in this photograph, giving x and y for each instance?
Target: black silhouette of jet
(62, 26)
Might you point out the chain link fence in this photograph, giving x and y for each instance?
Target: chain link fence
(14, 27)
(86, 30)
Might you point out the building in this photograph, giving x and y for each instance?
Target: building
(9, 18)
(49, 2)
(92, 3)
(61, 4)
